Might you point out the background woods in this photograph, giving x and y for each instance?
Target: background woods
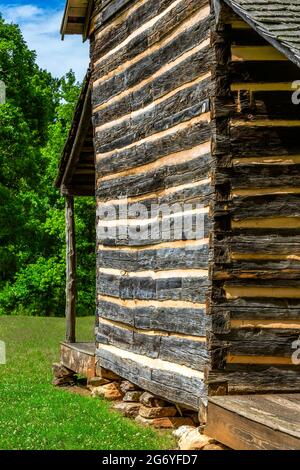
(34, 124)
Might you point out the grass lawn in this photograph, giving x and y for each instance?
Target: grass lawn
(35, 415)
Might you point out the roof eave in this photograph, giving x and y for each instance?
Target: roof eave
(280, 47)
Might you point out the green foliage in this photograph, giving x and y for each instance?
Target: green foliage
(36, 416)
(34, 124)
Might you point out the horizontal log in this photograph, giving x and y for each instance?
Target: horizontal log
(172, 382)
(264, 246)
(169, 160)
(274, 205)
(155, 260)
(177, 350)
(257, 307)
(263, 72)
(191, 65)
(112, 35)
(262, 342)
(190, 289)
(156, 235)
(198, 192)
(162, 178)
(266, 379)
(261, 176)
(181, 137)
(189, 320)
(148, 121)
(251, 141)
(132, 61)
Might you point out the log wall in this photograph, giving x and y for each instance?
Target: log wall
(151, 111)
(190, 106)
(255, 299)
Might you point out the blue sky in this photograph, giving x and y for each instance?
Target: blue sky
(40, 23)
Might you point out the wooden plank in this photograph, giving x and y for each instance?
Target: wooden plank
(240, 433)
(79, 357)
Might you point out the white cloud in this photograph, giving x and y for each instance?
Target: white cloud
(41, 31)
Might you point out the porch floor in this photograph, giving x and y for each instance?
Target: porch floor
(79, 358)
(255, 422)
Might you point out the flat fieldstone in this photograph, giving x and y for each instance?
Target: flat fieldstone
(97, 382)
(158, 412)
(147, 399)
(132, 396)
(178, 433)
(110, 391)
(127, 386)
(130, 410)
(164, 423)
(193, 440)
(60, 371)
(63, 381)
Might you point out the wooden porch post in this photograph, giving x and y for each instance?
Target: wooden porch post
(70, 272)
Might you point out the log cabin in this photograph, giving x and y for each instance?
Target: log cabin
(191, 102)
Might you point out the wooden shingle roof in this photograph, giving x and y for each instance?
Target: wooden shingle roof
(278, 21)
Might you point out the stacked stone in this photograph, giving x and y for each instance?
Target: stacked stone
(62, 376)
(107, 385)
(160, 414)
(191, 438)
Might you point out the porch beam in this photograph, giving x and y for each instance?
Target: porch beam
(71, 291)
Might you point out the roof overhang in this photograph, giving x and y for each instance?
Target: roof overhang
(76, 17)
(275, 27)
(76, 173)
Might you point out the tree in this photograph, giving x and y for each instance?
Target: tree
(34, 124)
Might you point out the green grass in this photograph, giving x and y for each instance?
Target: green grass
(35, 415)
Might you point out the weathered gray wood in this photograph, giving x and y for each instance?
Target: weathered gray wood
(184, 41)
(187, 352)
(165, 115)
(190, 321)
(155, 180)
(182, 74)
(150, 151)
(191, 289)
(238, 432)
(155, 260)
(257, 379)
(116, 34)
(70, 272)
(169, 385)
(144, 238)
